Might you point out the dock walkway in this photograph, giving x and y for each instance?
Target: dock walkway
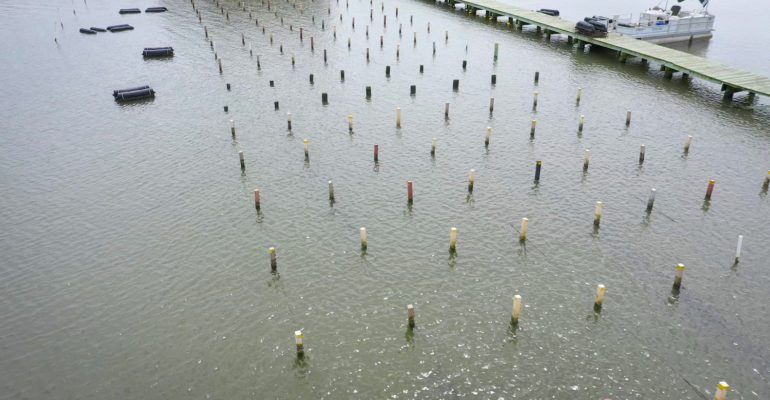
(732, 80)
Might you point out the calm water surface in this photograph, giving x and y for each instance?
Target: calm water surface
(133, 264)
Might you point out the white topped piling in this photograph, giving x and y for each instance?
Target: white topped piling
(651, 200)
(298, 340)
(471, 180)
(523, 230)
(273, 258)
(489, 134)
(364, 238)
(453, 239)
(516, 310)
(306, 144)
(398, 117)
(722, 389)
(579, 94)
(599, 299)
(641, 153)
(628, 118)
(586, 159)
(687, 144)
(331, 191)
(580, 124)
(598, 213)
(738, 249)
(678, 277)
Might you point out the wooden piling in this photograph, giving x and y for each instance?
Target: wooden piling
(598, 213)
(641, 154)
(710, 189)
(243, 162)
(489, 134)
(256, 199)
(586, 159)
(273, 258)
(364, 239)
(722, 389)
(516, 310)
(738, 249)
(599, 299)
(651, 200)
(538, 166)
(678, 276)
(376, 153)
(409, 192)
(523, 230)
(398, 117)
(410, 315)
(453, 240)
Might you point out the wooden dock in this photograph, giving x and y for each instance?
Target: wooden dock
(672, 61)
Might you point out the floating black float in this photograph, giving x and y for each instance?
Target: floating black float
(87, 31)
(158, 51)
(155, 9)
(133, 94)
(130, 11)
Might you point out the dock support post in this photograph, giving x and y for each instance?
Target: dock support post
(751, 97)
(623, 57)
(729, 91)
(669, 72)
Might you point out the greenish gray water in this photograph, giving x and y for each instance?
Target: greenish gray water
(133, 263)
